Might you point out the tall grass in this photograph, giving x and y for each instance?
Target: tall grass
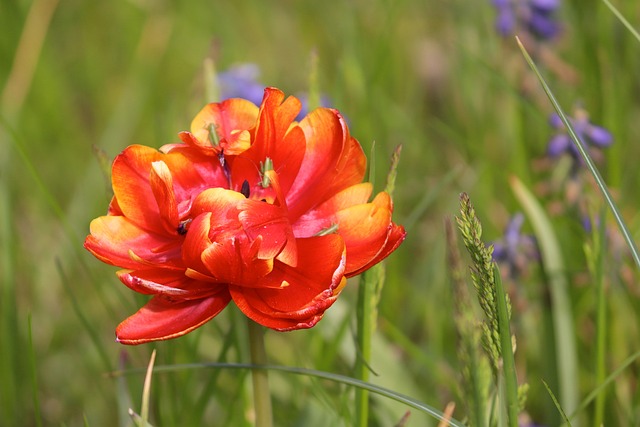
(433, 76)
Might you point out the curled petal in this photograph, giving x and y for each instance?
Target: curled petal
(275, 138)
(395, 237)
(172, 284)
(114, 238)
(332, 162)
(269, 221)
(305, 291)
(162, 318)
(197, 241)
(162, 187)
(364, 229)
(235, 261)
(226, 118)
(191, 173)
(324, 216)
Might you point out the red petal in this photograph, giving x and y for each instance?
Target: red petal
(234, 261)
(310, 288)
(269, 221)
(131, 173)
(332, 162)
(276, 138)
(196, 241)
(161, 183)
(227, 118)
(324, 216)
(170, 283)
(396, 236)
(218, 238)
(113, 238)
(162, 319)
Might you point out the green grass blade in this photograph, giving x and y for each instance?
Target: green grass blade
(508, 360)
(566, 356)
(342, 379)
(34, 377)
(369, 294)
(587, 158)
(595, 255)
(555, 402)
(622, 19)
(146, 390)
(612, 377)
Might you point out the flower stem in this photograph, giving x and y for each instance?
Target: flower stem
(260, 378)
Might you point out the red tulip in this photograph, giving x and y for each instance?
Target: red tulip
(251, 207)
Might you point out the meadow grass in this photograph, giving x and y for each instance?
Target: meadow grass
(80, 81)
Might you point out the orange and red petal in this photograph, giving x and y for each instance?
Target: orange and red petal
(173, 284)
(332, 161)
(269, 221)
(234, 261)
(131, 176)
(163, 318)
(324, 216)
(365, 229)
(308, 289)
(226, 118)
(113, 238)
(161, 182)
(275, 137)
(395, 237)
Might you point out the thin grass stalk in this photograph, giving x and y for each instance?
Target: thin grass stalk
(354, 382)
(508, 360)
(10, 339)
(587, 158)
(369, 294)
(146, 390)
(34, 377)
(622, 19)
(364, 334)
(563, 326)
(601, 317)
(260, 377)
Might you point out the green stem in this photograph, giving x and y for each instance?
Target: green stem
(364, 334)
(508, 361)
(260, 378)
(601, 319)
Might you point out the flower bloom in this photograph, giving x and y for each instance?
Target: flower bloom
(534, 16)
(252, 207)
(589, 134)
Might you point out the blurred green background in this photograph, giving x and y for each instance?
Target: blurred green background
(82, 80)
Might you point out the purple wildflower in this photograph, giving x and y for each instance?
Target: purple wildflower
(589, 134)
(242, 81)
(534, 16)
(515, 249)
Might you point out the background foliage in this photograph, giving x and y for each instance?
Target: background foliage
(433, 76)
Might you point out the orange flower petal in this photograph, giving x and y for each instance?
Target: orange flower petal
(234, 261)
(324, 216)
(132, 188)
(395, 237)
(269, 221)
(113, 237)
(307, 290)
(275, 138)
(226, 118)
(161, 183)
(332, 161)
(174, 285)
(162, 318)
